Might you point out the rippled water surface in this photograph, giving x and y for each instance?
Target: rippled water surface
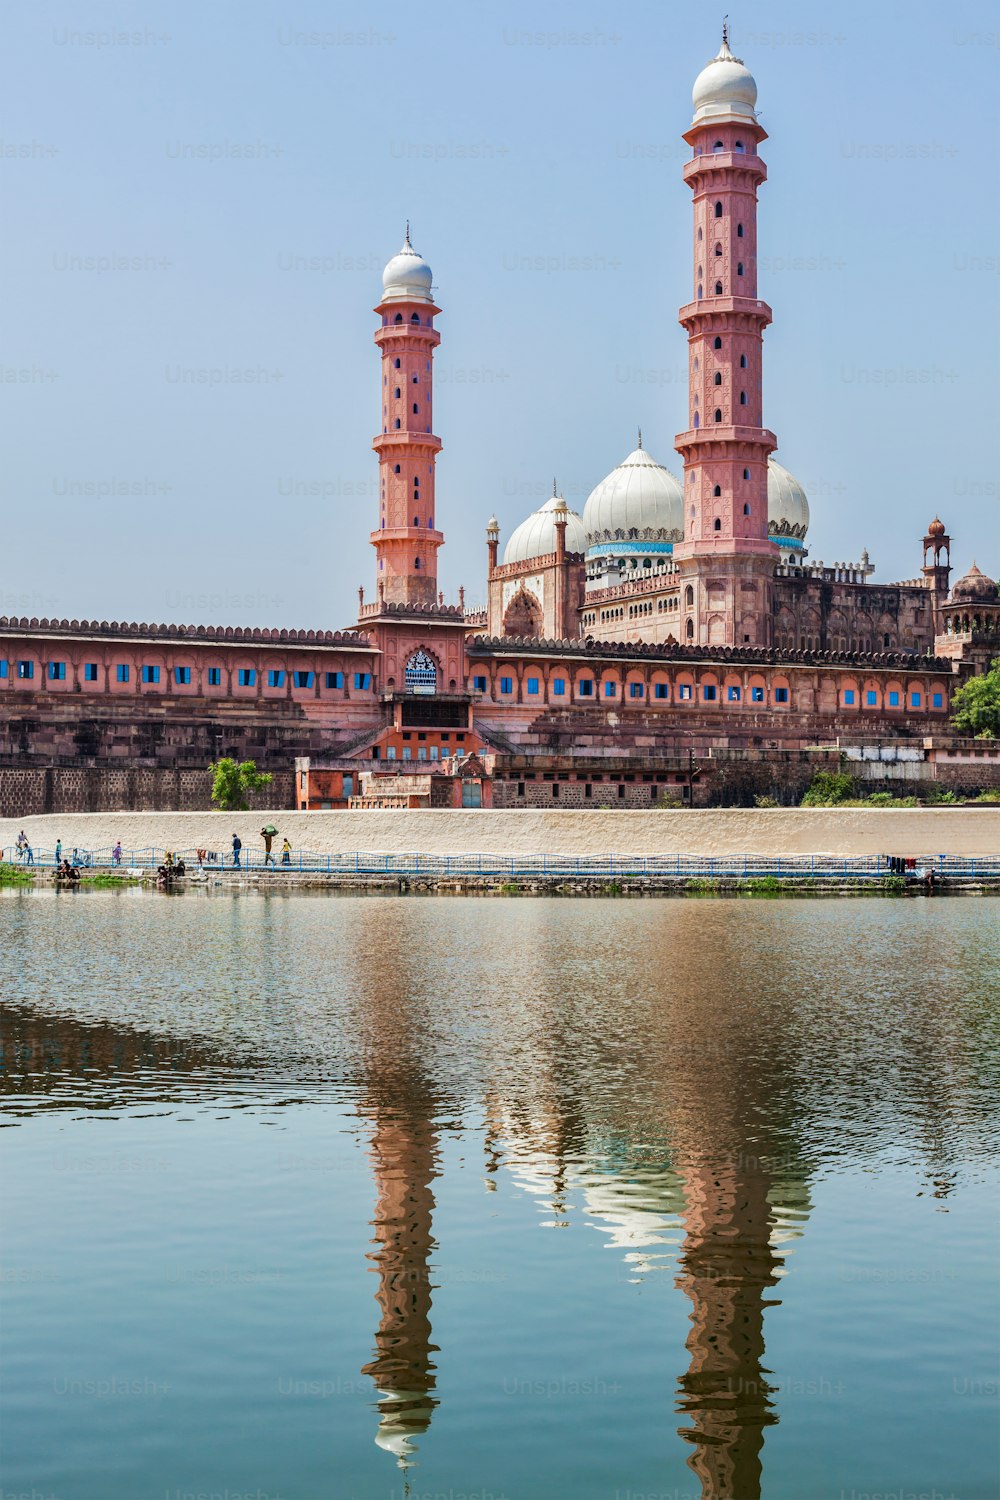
(316, 1197)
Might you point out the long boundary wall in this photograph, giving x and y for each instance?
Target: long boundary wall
(971, 831)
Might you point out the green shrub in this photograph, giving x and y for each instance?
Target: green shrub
(992, 794)
(510, 888)
(829, 789)
(892, 885)
(889, 799)
(15, 875)
(764, 885)
(703, 885)
(763, 801)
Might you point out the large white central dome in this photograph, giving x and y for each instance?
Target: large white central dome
(640, 501)
(407, 277)
(787, 507)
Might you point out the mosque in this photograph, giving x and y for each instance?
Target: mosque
(678, 615)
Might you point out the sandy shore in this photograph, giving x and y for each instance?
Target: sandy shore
(710, 833)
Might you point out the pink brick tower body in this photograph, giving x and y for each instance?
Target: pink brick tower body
(406, 541)
(726, 559)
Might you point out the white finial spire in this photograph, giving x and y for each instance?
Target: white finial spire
(554, 490)
(407, 240)
(639, 444)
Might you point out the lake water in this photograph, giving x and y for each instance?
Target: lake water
(313, 1197)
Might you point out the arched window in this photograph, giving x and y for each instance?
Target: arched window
(740, 146)
(396, 393)
(416, 520)
(718, 146)
(699, 234)
(416, 380)
(717, 344)
(697, 364)
(420, 673)
(743, 361)
(718, 416)
(396, 366)
(718, 377)
(689, 630)
(416, 562)
(397, 422)
(689, 597)
(414, 317)
(416, 408)
(718, 288)
(717, 525)
(697, 420)
(718, 210)
(717, 490)
(739, 231)
(746, 473)
(746, 510)
(396, 469)
(739, 268)
(700, 294)
(718, 249)
(743, 398)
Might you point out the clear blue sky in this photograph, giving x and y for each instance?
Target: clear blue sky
(537, 154)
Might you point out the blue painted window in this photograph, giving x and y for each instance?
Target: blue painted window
(636, 689)
(532, 684)
(915, 700)
(610, 689)
(335, 679)
(586, 686)
(849, 696)
(937, 700)
(871, 698)
(150, 674)
(710, 693)
(248, 676)
(122, 671)
(893, 700)
(479, 684)
(182, 676)
(90, 671)
(362, 680)
(756, 695)
(558, 687)
(4, 669)
(733, 694)
(26, 669)
(303, 679)
(57, 671)
(781, 695)
(275, 677)
(215, 676)
(506, 684)
(684, 692)
(660, 690)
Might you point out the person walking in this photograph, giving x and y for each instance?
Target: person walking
(58, 852)
(29, 853)
(267, 835)
(237, 846)
(286, 852)
(116, 853)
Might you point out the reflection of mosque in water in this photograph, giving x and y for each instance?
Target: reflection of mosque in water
(696, 1169)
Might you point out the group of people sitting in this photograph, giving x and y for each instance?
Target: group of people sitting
(170, 870)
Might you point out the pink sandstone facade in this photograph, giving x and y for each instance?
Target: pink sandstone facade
(677, 620)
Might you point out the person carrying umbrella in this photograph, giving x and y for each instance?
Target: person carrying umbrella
(267, 834)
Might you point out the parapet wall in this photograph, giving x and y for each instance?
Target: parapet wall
(709, 833)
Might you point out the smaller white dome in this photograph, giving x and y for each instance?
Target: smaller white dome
(787, 505)
(407, 276)
(536, 536)
(725, 89)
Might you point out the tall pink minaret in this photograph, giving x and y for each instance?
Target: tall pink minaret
(726, 561)
(406, 541)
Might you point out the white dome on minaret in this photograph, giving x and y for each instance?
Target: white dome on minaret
(407, 277)
(725, 89)
(787, 507)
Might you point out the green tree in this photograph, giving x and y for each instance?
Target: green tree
(976, 706)
(233, 781)
(828, 788)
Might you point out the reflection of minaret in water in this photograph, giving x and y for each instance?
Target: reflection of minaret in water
(404, 1155)
(727, 1264)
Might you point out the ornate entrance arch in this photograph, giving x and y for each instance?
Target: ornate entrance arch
(523, 616)
(421, 673)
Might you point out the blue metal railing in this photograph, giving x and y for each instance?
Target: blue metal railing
(793, 867)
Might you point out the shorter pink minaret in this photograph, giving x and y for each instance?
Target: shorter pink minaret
(406, 541)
